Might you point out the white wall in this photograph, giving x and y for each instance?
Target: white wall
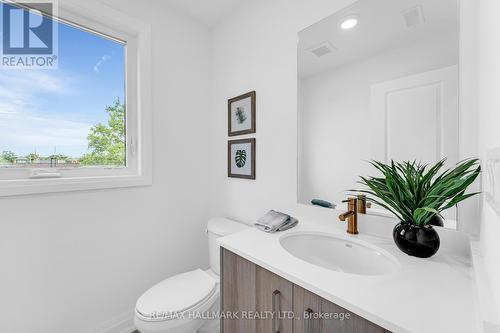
(72, 262)
(489, 129)
(335, 111)
(256, 48)
(468, 122)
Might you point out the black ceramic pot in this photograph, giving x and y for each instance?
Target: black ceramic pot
(437, 221)
(422, 242)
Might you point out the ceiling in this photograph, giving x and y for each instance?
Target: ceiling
(382, 27)
(208, 12)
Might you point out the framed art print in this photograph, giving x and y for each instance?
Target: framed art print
(241, 114)
(241, 158)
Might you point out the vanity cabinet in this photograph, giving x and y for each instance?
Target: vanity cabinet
(253, 294)
(321, 316)
(254, 300)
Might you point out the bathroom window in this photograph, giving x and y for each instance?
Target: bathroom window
(71, 111)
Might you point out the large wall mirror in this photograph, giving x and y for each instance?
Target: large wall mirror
(377, 80)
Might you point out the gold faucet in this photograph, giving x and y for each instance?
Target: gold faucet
(362, 204)
(351, 215)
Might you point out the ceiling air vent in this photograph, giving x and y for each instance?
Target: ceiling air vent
(322, 49)
(414, 16)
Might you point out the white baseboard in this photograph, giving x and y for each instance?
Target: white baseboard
(123, 323)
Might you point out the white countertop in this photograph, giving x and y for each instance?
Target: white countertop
(425, 295)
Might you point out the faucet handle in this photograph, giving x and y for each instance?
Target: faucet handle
(363, 204)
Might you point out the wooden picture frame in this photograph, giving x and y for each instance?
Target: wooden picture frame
(239, 152)
(239, 109)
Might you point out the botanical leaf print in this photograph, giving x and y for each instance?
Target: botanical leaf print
(240, 115)
(240, 158)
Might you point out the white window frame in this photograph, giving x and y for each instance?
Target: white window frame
(100, 18)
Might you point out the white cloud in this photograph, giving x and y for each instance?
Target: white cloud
(23, 122)
(21, 130)
(26, 129)
(19, 89)
(101, 61)
(16, 83)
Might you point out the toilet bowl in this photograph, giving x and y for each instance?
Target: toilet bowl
(187, 302)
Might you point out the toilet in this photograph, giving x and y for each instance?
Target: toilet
(187, 302)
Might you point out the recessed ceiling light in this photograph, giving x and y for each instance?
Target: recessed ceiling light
(349, 23)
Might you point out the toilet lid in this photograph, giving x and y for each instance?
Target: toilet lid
(177, 294)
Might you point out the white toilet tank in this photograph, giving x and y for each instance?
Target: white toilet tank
(220, 227)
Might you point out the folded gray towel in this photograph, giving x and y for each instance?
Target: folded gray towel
(274, 221)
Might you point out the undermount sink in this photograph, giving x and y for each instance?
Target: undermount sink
(339, 254)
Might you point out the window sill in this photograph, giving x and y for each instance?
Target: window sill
(39, 186)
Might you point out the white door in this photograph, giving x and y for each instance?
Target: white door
(416, 118)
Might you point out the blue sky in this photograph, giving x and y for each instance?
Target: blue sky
(47, 109)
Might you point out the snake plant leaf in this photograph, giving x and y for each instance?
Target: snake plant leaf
(416, 192)
(458, 199)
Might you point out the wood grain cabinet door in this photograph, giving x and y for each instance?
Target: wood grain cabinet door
(261, 301)
(237, 293)
(317, 315)
(305, 306)
(274, 298)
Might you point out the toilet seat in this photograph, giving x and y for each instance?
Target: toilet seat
(176, 296)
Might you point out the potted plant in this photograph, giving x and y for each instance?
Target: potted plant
(416, 194)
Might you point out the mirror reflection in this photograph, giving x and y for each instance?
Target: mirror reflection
(377, 80)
